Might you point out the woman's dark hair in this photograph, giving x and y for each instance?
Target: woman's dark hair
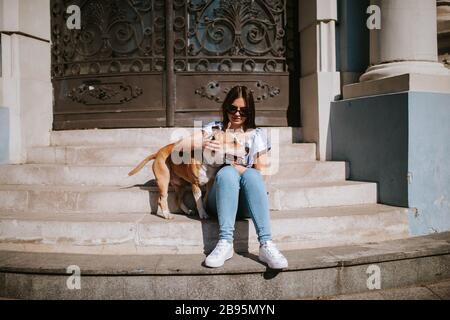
(235, 93)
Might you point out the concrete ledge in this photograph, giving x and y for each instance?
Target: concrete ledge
(406, 82)
(312, 273)
(191, 264)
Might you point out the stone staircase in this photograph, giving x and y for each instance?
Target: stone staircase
(75, 197)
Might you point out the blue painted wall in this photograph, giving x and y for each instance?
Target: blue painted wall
(429, 162)
(402, 142)
(4, 135)
(372, 135)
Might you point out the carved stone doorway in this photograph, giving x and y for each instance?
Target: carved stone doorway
(155, 63)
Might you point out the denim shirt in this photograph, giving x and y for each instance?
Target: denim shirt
(256, 141)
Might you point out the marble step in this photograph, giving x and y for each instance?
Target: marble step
(312, 274)
(149, 136)
(50, 174)
(125, 155)
(94, 199)
(140, 233)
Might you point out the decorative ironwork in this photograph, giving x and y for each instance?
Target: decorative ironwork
(236, 36)
(217, 90)
(125, 69)
(116, 36)
(106, 93)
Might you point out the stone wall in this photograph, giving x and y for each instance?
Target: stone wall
(25, 81)
(4, 135)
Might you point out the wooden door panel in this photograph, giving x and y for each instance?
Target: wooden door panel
(111, 72)
(125, 68)
(109, 94)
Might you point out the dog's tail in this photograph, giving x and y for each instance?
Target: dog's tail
(142, 164)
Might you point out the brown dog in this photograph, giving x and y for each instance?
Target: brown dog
(195, 172)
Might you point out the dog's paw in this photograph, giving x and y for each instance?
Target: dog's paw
(165, 215)
(203, 215)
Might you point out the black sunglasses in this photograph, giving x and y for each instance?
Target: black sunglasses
(245, 111)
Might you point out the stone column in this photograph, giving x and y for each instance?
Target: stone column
(406, 42)
(443, 23)
(320, 81)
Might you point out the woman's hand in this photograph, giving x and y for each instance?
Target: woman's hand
(211, 145)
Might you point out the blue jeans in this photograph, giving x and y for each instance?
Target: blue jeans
(244, 196)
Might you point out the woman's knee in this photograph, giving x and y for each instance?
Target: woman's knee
(251, 174)
(227, 174)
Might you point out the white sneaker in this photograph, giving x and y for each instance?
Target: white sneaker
(268, 253)
(222, 252)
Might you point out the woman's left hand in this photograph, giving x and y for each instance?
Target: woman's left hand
(239, 168)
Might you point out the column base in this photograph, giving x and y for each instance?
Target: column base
(405, 82)
(392, 69)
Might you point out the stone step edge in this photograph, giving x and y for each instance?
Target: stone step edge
(299, 260)
(83, 199)
(55, 135)
(136, 217)
(61, 154)
(154, 188)
(131, 166)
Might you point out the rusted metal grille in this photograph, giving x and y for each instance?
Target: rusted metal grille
(143, 63)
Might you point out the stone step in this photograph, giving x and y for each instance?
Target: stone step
(126, 233)
(312, 273)
(122, 155)
(89, 199)
(149, 136)
(49, 174)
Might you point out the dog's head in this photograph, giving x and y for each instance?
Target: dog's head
(233, 150)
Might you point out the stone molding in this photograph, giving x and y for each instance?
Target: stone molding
(401, 83)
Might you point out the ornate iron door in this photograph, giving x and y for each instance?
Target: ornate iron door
(155, 63)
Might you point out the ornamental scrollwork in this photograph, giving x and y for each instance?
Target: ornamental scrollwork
(106, 93)
(112, 31)
(217, 90)
(249, 32)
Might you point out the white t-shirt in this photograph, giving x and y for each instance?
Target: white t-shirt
(255, 141)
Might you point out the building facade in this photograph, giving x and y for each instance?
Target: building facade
(364, 80)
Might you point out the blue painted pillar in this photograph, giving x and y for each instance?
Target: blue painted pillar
(353, 41)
